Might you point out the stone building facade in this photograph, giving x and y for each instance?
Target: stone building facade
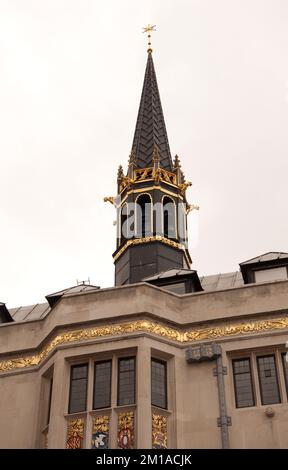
(165, 359)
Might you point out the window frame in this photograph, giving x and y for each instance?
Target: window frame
(72, 367)
(165, 217)
(162, 362)
(140, 217)
(269, 268)
(262, 356)
(103, 361)
(50, 399)
(242, 358)
(124, 358)
(283, 360)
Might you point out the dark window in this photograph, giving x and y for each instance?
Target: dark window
(159, 383)
(169, 218)
(49, 399)
(177, 287)
(102, 384)
(144, 222)
(244, 394)
(285, 366)
(78, 388)
(268, 380)
(126, 381)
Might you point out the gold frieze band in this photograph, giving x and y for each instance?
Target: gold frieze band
(145, 326)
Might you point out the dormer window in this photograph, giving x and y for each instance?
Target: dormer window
(270, 267)
(179, 281)
(272, 274)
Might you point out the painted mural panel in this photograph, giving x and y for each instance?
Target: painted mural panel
(100, 432)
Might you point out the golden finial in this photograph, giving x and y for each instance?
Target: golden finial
(148, 29)
(176, 162)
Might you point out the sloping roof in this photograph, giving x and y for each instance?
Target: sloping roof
(74, 290)
(270, 256)
(169, 273)
(150, 126)
(39, 311)
(222, 281)
(30, 312)
(210, 283)
(53, 298)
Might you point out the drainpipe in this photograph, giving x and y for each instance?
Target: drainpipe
(210, 352)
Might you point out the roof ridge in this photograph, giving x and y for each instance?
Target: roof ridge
(264, 254)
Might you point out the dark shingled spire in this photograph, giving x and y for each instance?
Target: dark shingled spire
(150, 127)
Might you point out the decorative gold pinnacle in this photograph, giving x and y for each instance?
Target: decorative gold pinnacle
(148, 29)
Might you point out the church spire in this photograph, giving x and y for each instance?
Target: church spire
(151, 202)
(150, 126)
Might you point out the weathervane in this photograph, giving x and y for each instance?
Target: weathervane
(148, 29)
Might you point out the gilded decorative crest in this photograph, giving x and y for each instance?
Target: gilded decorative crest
(126, 430)
(144, 174)
(159, 432)
(75, 434)
(100, 432)
(125, 183)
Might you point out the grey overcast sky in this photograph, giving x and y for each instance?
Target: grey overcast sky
(71, 74)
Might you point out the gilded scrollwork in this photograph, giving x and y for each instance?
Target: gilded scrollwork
(145, 326)
(140, 241)
(125, 183)
(184, 186)
(75, 434)
(144, 174)
(236, 329)
(159, 431)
